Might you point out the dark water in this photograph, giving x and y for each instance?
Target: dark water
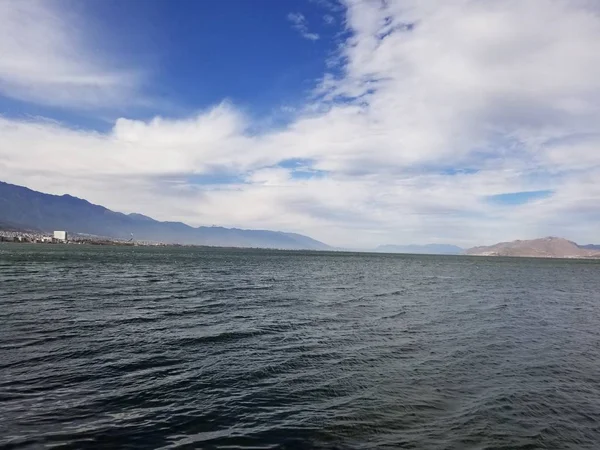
(191, 348)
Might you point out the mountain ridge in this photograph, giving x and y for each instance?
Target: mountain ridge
(38, 210)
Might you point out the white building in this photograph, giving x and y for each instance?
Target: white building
(60, 235)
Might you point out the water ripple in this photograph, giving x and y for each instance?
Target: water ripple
(239, 349)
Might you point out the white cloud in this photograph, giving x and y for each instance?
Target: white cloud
(436, 107)
(299, 23)
(46, 59)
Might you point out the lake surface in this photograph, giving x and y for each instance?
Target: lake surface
(117, 347)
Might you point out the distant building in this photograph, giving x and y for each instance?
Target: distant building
(60, 236)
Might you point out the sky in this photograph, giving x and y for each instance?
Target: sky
(356, 122)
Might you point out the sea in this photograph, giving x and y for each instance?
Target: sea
(205, 348)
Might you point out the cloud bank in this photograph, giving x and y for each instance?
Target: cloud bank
(432, 113)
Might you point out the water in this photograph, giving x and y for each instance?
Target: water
(189, 348)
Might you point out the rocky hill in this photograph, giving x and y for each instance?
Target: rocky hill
(548, 247)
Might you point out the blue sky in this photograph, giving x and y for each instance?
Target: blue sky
(331, 118)
(204, 52)
(193, 55)
(518, 198)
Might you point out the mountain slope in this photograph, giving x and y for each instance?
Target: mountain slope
(549, 247)
(52, 212)
(11, 226)
(427, 249)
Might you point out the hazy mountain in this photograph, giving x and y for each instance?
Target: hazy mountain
(549, 247)
(590, 246)
(431, 249)
(47, 212)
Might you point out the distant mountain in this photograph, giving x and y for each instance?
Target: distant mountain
(36, 210)
(590, 246)
(430, 249)
(549, 247)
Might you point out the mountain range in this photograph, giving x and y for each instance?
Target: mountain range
(21, 207)
(427, 249)
(24, 209)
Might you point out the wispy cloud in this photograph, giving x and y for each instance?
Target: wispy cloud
(299, 23)
(45, 59)
(328, 19)
(335, 6)
(432, 111)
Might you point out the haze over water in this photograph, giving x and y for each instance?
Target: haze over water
(118, 347)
